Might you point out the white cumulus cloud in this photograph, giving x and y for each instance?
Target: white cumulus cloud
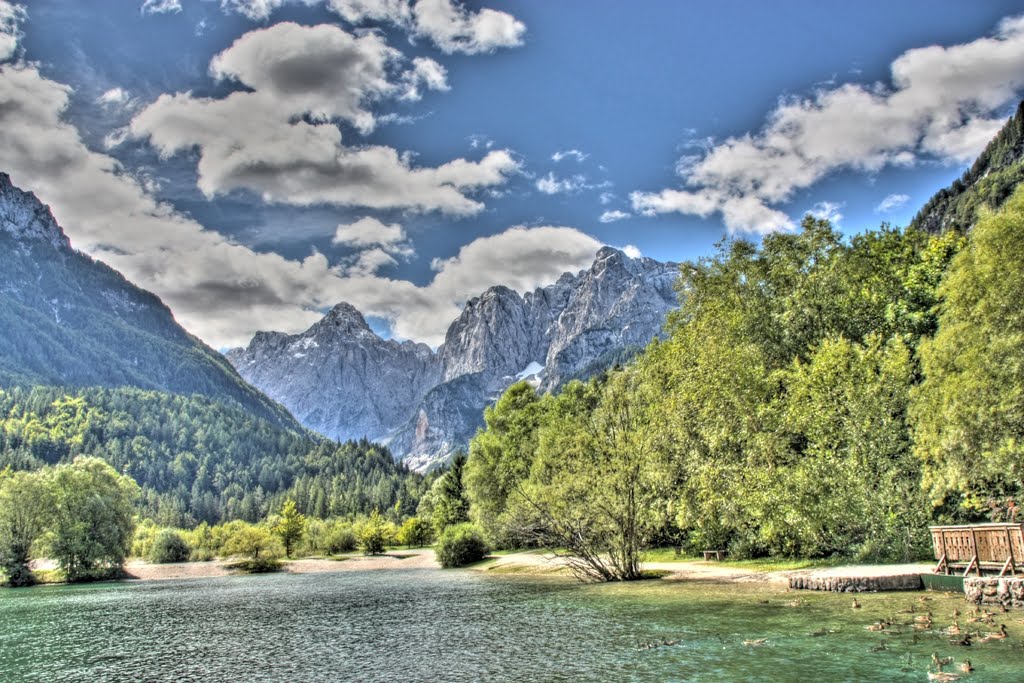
(550, 184)
(369, 262)
(373, 240)
(369, 232)
(451, 26)
(892, 202)
(113, 96)
(223, 291)
(828, 211)
(567, 154)
(941, 102)
(11, 16)
(279, 138)
(161, 6)
(612, 216)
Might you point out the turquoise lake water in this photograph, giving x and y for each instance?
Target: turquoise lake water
(431, 625)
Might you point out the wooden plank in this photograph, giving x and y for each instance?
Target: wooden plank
(974, 560)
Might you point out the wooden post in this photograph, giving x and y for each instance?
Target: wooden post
(942, 562)
(974, 548)
(1009, 549)
(974, 561)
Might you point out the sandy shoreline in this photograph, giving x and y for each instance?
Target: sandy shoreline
(698, 570)
(140, 570)
(513, 563)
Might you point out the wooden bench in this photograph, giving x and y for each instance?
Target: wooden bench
(714, 555)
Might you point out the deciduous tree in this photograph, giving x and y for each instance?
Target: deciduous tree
(25, 512)
(93, 518)
(289, 526)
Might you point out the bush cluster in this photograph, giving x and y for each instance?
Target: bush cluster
(461, 544)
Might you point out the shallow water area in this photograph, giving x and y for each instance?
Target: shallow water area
(432, 625)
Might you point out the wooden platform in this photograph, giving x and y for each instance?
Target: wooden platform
(981, 548)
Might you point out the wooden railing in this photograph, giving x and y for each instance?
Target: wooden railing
(978, 547)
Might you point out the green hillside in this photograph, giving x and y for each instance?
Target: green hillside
(197, 459)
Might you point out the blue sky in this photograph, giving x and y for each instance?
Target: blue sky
(255, 161)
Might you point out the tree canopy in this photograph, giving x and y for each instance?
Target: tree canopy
(773, 418)
(969, 409)
(198, 460)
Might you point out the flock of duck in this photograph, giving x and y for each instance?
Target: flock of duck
(961, 636)
(919, 621)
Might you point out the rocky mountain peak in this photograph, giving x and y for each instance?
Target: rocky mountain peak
(23, 216)
(343, 320)
(343, 380)
(607, 253)
(494, 334)
(339, 377)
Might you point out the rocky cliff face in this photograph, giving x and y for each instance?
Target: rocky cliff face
(338, 377)
(24, 218)
(343, 380)
(572, 329)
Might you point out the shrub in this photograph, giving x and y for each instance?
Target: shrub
(461, 544)
(169, 546)
(202, 555)
(415, 532)
(341, 539)
(375, 534)
(259, 546)
(145, 534)
(201, 540)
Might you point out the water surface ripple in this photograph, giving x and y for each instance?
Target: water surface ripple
(430, 625)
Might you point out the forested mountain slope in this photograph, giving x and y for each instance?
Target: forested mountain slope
(200, 460)
(66, 319)
(989, 182)
(92, 365)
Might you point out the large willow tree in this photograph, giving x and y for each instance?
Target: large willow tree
(582, 473)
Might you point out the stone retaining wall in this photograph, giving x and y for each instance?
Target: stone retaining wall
(857, 584)
(995, 591)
